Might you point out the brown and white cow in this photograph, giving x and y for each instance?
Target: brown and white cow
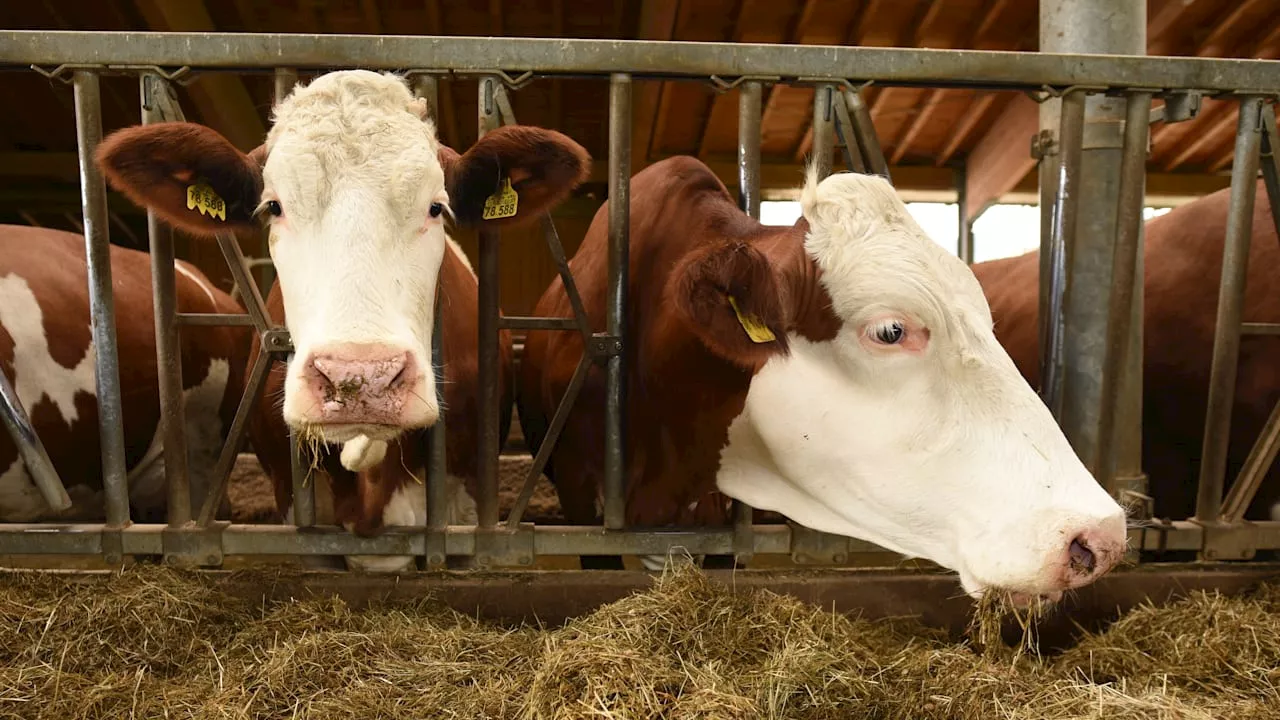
(355, 189)
(842, 372)
(1183, 266)
(47, 351)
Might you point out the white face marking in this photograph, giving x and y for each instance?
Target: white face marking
(912, 428)
(353, 166)
(37, 375)
(408, 508)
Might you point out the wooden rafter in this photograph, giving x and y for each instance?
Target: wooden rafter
(977, 109)
(657, 22)
(739, 28)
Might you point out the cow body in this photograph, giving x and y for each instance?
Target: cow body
(356, 190)
(1183, 267)
(841, 372)
(46, 350)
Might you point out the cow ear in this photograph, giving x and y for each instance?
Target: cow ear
(728, 296)
(525, 170)
(191, 176)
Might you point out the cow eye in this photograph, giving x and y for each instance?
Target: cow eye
(436, 209)
(273, 207)
(890, 333)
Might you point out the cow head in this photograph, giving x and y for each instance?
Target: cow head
(881, 405)
(355, 191)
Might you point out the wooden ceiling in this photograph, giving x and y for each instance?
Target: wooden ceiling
(923, 132)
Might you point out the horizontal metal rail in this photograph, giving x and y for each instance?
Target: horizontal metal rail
(464, 55)
(546, 540)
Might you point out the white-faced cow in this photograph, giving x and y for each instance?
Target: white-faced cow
(1183, 266)
(355, 190)
(842, 372)
(47, 352)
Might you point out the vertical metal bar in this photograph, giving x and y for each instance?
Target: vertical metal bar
(823, 128)
(30, 449)
(864, 129)
(487, 462)
(1271, 163)
(1124, 285)
(750, 94)
(619, 277)
(437, 487)
(168, 353)
(1226, 339)
(93, 193)
(964, 228)
(285, 79)
(304, 493)
(1050, 164)
(1063, 233)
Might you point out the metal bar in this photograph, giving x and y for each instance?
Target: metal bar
(619, 279)
(487, 459)
(93, 193)
(1226, 340)
(235, 434)
(1260, 328)
(515, 322)
(750, 95)
(1124, 265)
(215, 319)
(157, 99)
(823, 129)
(546, 56)
(254, 304)
(30, 449)
(1270, 160)
(285, 79)
(864, 129)
(436, 485)
(1065, 209)
(1261, 456)
(848, 137)
(1049, 164)
(304, 493)
(964, 228)
(556, 249)
(548, 443)
(555, 540)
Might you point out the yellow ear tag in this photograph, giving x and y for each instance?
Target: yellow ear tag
(202, 197)
(501, 204)
(756, 330)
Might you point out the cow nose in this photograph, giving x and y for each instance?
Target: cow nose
(1091, 554)
(359, 383)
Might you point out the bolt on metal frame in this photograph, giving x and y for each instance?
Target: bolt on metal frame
(839, 111)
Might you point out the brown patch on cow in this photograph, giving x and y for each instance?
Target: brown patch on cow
(152, 165)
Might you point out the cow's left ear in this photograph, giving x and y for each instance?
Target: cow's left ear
(728, 296)
(512, 175)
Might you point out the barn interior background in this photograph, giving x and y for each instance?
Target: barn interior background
(928, 135)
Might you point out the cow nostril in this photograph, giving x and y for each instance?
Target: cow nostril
(1080, 558)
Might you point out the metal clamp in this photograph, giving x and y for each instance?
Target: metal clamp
(1223, 541)
(277, 340)
(723, 86)
(603, 345)
(502, 546)
(192, 546)
(1044, 144)
(113, 545)
(811, 547)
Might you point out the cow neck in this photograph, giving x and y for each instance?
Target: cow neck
(806, 300)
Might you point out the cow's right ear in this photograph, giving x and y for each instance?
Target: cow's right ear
(728, 296)
(191, 176)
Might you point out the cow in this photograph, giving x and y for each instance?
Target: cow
(1183, 264)
(841, 372)
(47, 352)
(355, 190)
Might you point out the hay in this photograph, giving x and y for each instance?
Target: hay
(153, 642)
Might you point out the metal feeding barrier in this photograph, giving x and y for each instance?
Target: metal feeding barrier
(841, 119)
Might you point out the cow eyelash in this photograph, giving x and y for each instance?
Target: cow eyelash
(889, 333)
(271, 208)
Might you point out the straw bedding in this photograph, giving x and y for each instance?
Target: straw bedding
(152, 642)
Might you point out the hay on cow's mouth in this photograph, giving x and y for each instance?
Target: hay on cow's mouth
(154, 642)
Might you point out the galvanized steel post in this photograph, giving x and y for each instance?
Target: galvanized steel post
(93, 193)
(750, 94)
(964, 227)
(285, 79)
(489, 447)
(823, 128)
(1094, 27)
(159, 105)
(437, 489)
(619, 275)
(1226, 338)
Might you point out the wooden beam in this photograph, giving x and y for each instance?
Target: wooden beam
(978, 108)
(657, 22)
(222, 100)
(1003, 156)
